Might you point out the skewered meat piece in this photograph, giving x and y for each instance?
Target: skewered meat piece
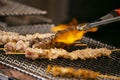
(61, 53)
(32, 53)
(77, 73)
(19, 46)
(47, 42)
(44, 53)
(10, 46)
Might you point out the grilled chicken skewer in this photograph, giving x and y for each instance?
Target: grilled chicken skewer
(77, 73)
(23, 46)
(35, 53)
(10, 39)
(6, 37)
(61, 53)
(35, 40)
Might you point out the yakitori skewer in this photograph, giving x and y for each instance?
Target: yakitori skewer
(77, 73)
(35, 41)
(54, 53)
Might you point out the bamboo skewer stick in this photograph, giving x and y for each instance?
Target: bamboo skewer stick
(15, 53)
(109, 76)
(12, 52)
(79, 44)
(115, 50)
(2, 48)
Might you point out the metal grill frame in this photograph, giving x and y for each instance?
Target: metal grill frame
(37, 68)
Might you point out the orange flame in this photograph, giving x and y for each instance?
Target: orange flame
(70, 36)
(65, 26)
(92, 29)
(59, 28)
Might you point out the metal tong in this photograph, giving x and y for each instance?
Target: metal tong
(98, 23)
(113, 16)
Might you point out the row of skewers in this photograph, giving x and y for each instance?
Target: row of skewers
(44, 46)
(28, 45)
(15, 43)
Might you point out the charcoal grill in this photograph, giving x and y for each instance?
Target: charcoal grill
(104, 65)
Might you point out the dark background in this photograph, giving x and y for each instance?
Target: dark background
(90, 10)
(62, 11)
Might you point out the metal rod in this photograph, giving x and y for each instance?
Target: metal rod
(97, 24)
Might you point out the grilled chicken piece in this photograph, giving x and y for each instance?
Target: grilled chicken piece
(10, 46)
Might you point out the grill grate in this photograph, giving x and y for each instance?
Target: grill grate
(95, 44)
(10, 8)
(104, 65)
(30, 29)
